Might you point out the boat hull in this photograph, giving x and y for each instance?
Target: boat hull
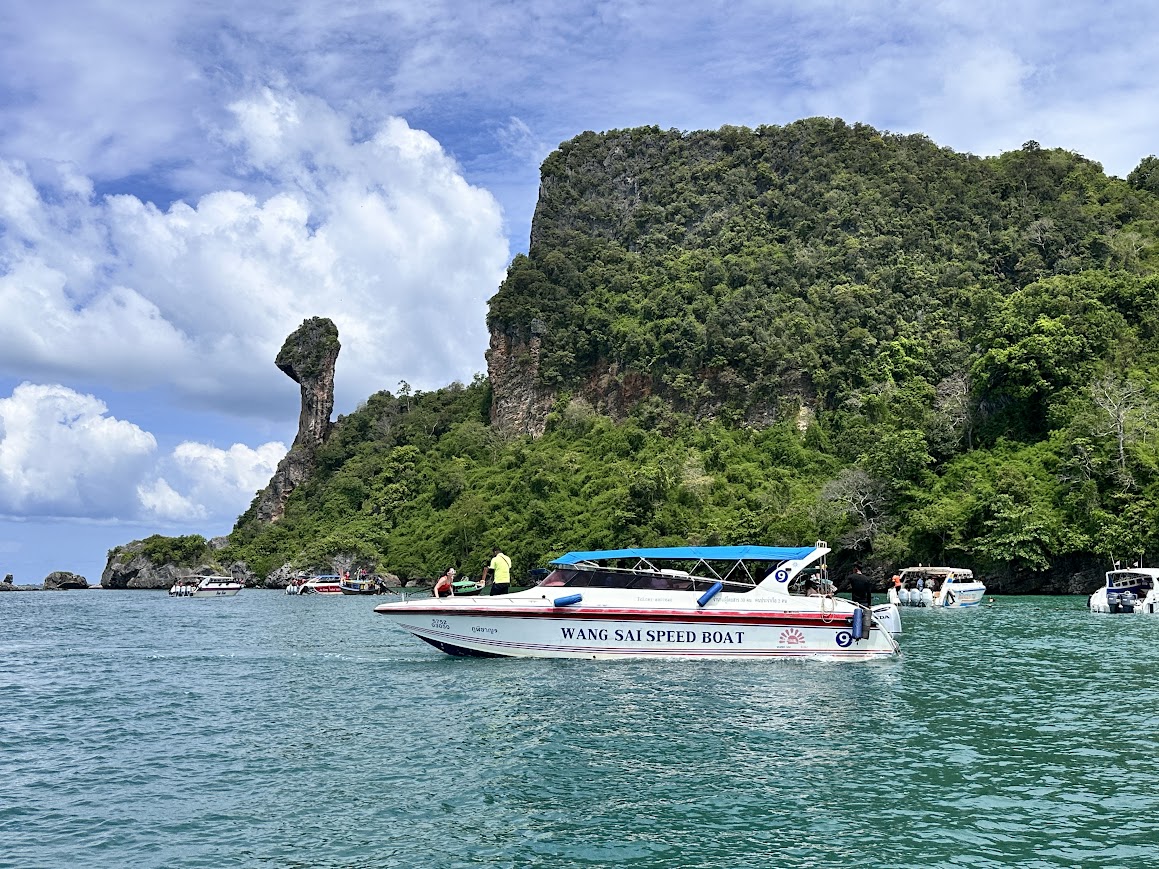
(598, 633)
(215, 592)
(964, 595)
(1144, 604)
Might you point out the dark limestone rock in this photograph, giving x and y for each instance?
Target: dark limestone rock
(521, 403)
(281, 577)
(241, 572)
(63, 579)
(129, 567)
(308, 357)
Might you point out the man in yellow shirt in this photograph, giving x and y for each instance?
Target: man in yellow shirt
(500, 568)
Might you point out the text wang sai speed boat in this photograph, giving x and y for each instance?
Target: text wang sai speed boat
(682, 602)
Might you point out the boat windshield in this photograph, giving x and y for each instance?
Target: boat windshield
(659, 580)
(1129, 579)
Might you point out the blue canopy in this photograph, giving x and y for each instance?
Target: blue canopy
(699, 553)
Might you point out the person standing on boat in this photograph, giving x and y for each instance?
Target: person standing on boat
(500, 568)
(861, 587)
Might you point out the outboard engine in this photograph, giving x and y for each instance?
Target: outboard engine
(1127, 602)
(903, 596)
(888, 618)
(1112, 601)
(927, 597)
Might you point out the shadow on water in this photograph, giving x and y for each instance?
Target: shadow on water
(316, 734)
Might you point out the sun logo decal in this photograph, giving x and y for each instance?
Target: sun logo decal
(792, 637)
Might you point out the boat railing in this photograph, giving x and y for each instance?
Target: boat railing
(667, 579)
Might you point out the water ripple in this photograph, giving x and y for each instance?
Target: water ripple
(268, 731)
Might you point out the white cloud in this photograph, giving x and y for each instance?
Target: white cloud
(63, 455)
(60, 454)
(381, 234)
(166, 504)
(217, 483)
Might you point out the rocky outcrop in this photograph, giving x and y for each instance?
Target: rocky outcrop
(9, 585)
(521, 403)
(308, 357)
(129, 567)
(63, 580)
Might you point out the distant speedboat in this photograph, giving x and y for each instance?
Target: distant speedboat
(944, 587)
(214, 586)
(329, 583)
(675, 602)
(1129, 590)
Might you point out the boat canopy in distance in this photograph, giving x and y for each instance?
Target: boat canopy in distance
(956, 573)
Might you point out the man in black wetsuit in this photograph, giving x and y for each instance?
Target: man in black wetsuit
(861, 587)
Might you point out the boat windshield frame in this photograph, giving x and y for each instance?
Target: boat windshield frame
(739, 569)
(643, 579)
(940, 574)
(1143, 578)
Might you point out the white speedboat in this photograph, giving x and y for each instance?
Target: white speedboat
(329, 583)
(946, 587)
(1128, 590)
(216, 586)
(680, 602)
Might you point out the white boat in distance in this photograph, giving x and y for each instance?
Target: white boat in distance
(1128, 590)
(946, 587)
(209, 586)
(676, 602)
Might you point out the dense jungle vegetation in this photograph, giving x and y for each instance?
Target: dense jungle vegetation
(916, 354)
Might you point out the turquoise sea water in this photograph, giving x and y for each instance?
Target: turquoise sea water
(266, 730)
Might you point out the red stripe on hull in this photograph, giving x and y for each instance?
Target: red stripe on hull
(617, 615)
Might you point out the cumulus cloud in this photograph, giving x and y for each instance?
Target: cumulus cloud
(381, 233)
(63, 455)
(216, 483)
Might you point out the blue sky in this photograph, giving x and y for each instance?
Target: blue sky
(182, 183)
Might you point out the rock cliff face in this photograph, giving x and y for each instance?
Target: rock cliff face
(520, 405)
(308, 358)
(62, 579)
(129, 567)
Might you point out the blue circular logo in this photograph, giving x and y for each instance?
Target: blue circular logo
(844, 639)
(781, 575)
